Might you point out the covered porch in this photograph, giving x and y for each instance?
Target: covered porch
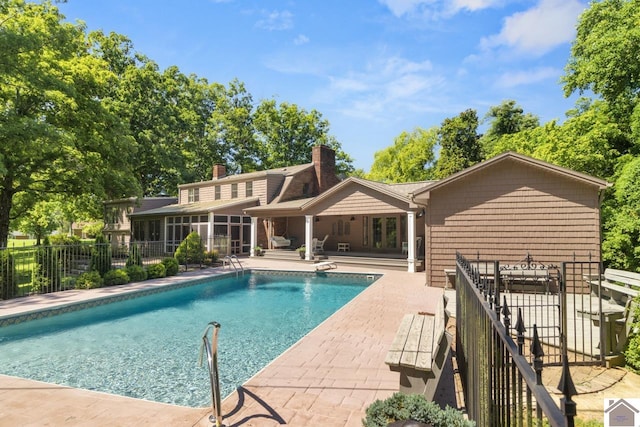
(357, 222)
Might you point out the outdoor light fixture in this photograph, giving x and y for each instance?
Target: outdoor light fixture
(420, 214)
(353, 218)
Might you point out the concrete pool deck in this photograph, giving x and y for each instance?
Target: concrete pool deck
(328, 378)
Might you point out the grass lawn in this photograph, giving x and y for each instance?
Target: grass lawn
(20, 243)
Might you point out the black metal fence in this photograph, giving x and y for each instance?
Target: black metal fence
(502, 381)
(32, 269)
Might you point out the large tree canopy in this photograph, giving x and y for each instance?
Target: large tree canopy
(58, 131)
(459, 144)
(604, 55)
(410, 158)
(86, 116)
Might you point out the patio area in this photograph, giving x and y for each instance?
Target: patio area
(329, 377)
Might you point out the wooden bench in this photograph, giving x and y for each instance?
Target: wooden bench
(419, 351)
(617, 285)
(620, 288)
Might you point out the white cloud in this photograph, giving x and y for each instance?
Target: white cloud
(276, 20)
(385, 84)
(521, 78)
(436, 8)
(539, 29)
(300, 40)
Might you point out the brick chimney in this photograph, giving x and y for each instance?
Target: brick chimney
(324, 163)
(219, 171)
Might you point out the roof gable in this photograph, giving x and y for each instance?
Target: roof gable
(510, 156)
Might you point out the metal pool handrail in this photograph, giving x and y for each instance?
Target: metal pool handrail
(232, 260)
(211, 347)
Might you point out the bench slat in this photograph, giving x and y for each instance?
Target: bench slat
(403, 331)
(410, 353)
(427, 345)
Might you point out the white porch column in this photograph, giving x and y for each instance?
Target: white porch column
(254, 235)
(308, 237)
(411, 244)
(210, 232)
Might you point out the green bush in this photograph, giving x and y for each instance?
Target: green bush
(402, 407)
(8, 277)
(134, 258)
(136, 273)
(101, 256)
(115, 277)
(191, 250)
(63, 239)
(171, 266)
(89, 280)
(632, 351)
(156, 271)
(211, 257)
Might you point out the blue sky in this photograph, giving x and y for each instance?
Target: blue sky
(372, 68)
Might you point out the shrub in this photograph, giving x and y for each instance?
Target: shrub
(632, 351)
(63, 239)
(136, 273)
(101, 256)
(134, 258)
(115, 277)
(171, 266)
(156, 271)
(211, 257)
(89, 280)
(8, 282)
(191, 250)
(401, 407)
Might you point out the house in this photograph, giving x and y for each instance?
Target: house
(507, 207)
(118, 226)
(621, 413)
(503, 208)
(215, 209)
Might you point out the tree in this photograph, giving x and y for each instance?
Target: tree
(587, 141)
(286, 134)
(506, 119)
(410, 158)
(604, 55)
(58, 132)
(621, 216)
(43, 218)
(459, 144)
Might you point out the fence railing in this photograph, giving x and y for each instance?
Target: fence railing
(31, 270)
(502, 386)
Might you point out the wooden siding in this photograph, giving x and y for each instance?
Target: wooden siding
(508, 211)
(207, 191)
(356, 201)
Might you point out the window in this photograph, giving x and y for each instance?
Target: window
(194, 195)
(248, 189)
(138, 230)
(234, 191)
(216, 195)
(305, 189)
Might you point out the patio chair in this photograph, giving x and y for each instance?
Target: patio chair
(318, 245)
(405, 246)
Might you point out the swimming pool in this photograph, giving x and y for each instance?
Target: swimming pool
(148, 347)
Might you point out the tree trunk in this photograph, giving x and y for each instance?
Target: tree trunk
(6, 201)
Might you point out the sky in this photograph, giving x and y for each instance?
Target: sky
(372, 68)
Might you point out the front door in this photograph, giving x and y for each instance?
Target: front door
(384, 233)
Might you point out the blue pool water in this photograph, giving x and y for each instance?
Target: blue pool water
(148, 347)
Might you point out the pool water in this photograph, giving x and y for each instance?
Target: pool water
(148, 347)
